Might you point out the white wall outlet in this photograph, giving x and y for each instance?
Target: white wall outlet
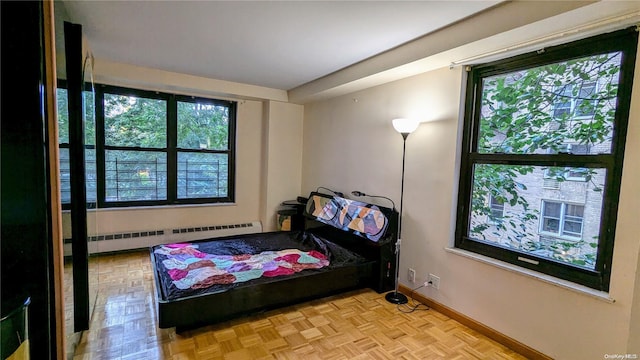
(434, 281)
(412, 275)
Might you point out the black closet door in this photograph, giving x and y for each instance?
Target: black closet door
(26, 264)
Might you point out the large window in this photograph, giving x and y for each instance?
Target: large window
(542, 155)
(153, 148)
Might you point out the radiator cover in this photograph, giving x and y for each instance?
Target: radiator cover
(144, 238)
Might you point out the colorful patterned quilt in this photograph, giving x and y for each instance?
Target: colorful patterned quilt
(191, 268)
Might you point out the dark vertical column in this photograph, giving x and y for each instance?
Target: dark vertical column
(172, 153)
(75, 85)
(24, 213)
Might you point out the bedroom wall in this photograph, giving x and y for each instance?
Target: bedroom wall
(262, 123)
(349, 144)
(282, 158)
(633, 346)
(630, 199)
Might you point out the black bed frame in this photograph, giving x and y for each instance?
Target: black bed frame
(199, 310)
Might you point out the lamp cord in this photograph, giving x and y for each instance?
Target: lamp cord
(360, 193)
(336, 193)
(413, 306)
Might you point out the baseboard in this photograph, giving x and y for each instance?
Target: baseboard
(492, 334)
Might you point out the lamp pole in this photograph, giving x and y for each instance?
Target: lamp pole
(404, 127)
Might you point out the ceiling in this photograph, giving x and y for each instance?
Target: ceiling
(273, 44)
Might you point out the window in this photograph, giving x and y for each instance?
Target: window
(562, 219)
(554, 116)
(497, 208)
(574, 101)
(153, 148)
(203, 149)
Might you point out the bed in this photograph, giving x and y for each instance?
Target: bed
(346, 245)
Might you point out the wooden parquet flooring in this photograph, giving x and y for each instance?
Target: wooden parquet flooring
(354, 325)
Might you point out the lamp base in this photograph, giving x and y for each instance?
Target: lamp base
(396, 298)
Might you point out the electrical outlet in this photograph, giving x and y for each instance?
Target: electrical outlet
(412, 275)
(434, 281)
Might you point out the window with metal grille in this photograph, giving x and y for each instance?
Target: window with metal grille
(153, 148)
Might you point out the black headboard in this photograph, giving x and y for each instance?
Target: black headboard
(367, 229)
(372, 222)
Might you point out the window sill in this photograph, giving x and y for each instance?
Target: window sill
(600, 295)
(560, 237)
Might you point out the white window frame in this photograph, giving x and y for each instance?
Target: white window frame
(562, 219)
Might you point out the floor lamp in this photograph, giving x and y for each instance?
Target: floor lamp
(404, 127)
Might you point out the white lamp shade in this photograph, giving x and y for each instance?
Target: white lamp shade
(405, 126)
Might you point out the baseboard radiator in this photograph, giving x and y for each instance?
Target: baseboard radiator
(142, 239)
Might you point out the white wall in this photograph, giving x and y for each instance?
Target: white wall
(633, 346)
(349, 144)
(282, 158)
(628, 216)
(127, 75)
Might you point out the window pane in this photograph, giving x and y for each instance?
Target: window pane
(573, 218)
(552, 209)
(572, 228)
(551, 212)
(584, 105)
(544, 108)
(202, 175)
(562, 105)
(497, 207)
(90, 174)
(135, 121)
(575, 210)
(89, 118)
(561, 223)
(65, 176)
(550, 224)
(203, 126)
(63, 116)
(135, 175)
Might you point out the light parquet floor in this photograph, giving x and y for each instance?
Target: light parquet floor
(355, 325)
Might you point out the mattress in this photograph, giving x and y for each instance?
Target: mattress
(212, 266)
